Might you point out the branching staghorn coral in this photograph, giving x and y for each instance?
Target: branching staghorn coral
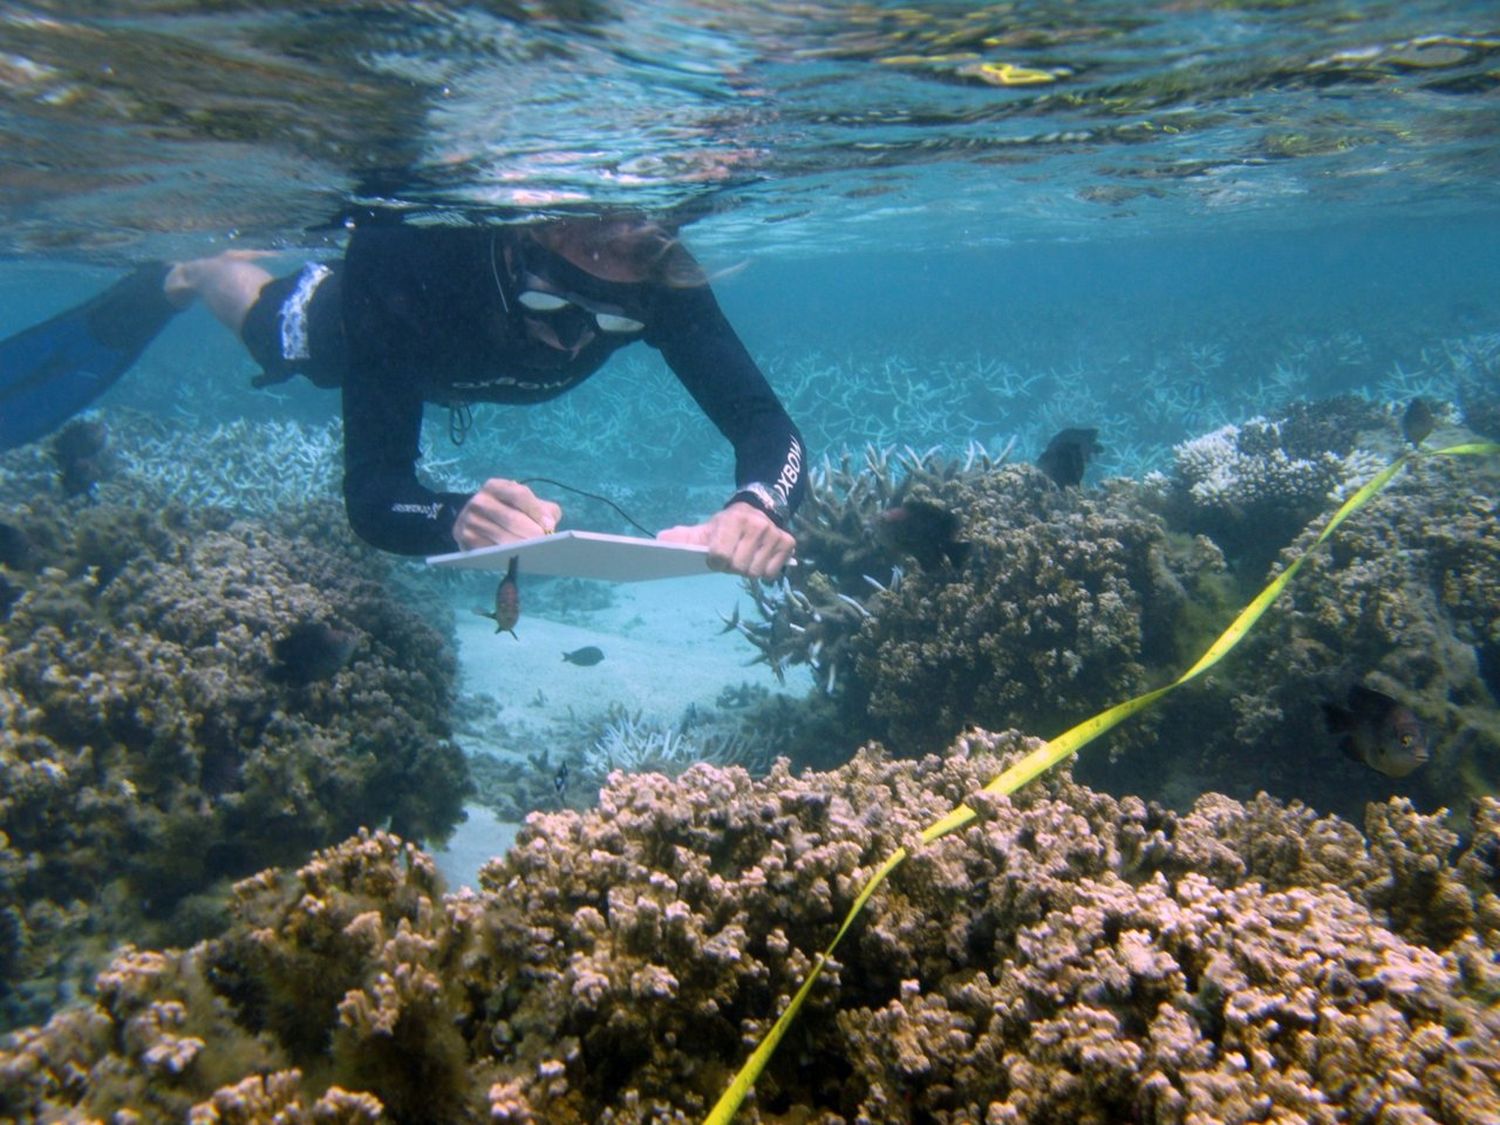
(638, 745)
(251, 468)
(846, 554)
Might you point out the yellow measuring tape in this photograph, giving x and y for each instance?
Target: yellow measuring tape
(1041, 760)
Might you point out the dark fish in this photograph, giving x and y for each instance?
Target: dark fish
(1379, 731)
(80, 450)
(15, 547)
(560, 780)
(584, 657)
(1418, 421)
(925, 530)
(310, 651)
(10, 594)
(507, 603)
(1068, 454)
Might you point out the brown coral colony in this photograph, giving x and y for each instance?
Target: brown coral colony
(1164, 931)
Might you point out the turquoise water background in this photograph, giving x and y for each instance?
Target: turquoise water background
(1153, 339)
(1185, 214)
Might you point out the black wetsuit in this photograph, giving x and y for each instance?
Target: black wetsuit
(415, 315)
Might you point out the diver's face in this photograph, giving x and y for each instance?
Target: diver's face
(557, 314)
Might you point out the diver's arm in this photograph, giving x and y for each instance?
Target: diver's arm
(386, 505)
(701, 347)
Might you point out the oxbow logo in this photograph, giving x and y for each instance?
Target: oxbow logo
(429, 510)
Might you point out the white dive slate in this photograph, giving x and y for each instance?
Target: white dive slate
(586, 554)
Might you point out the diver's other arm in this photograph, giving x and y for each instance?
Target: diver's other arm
(740, 538)
(706, 355)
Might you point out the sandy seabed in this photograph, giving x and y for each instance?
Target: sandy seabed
(664, 648)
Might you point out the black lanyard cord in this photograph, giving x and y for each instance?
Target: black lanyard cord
(592, 496)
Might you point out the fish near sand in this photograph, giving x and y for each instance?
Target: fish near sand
(585, 657)
(1379, 731)
(1068, 454)
(507, 603)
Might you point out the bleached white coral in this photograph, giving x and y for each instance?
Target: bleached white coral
(254, 468)
(1359, 466)
(635, 745)
(1235, 466)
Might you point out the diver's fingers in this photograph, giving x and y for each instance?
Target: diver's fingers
(772, 558)
(764, 555)
(694, 534)
(743, 539)
(482, 523)
(543, 514)
(496, 515)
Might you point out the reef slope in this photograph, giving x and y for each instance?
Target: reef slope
(1068, 957)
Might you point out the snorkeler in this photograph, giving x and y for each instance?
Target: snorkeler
(505, 314)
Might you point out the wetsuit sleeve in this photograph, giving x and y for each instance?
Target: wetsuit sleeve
(386, 310)
(386, 504)
(701, 347)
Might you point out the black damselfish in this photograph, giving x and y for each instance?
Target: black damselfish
(1068, 454)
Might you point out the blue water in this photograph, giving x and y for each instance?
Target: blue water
(1154, 340)
(1181, 216)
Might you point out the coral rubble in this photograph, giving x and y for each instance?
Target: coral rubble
(1066, 957)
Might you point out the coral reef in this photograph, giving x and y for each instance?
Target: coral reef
(1406, 600)
(1066, 957)
(1066, 604)
(565, 767)
(1041, 606)
(1022, 603)
(1253, 486)
(1071, 956)
(158, 739)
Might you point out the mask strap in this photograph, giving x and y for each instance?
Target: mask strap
(495, 273)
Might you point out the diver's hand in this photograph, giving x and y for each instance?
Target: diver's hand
(740, 538)
(503, 511)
